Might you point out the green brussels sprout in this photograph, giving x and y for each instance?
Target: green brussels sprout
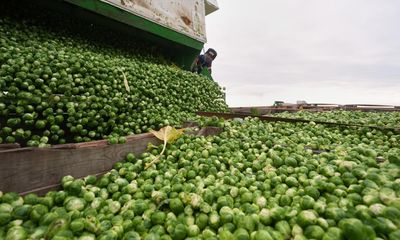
(241, 234)
(306, 218)
(353, 228)
(314, 232)
(17, 233)
(75, 203)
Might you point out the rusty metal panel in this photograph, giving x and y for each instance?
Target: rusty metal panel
(184, 16)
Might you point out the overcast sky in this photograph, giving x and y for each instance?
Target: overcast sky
(325, 51)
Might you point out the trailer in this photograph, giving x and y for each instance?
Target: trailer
(176, 28)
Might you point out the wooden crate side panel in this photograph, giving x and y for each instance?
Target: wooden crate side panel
(24, 170)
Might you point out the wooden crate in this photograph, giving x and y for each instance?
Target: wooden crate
(26, 170)
(38, 170)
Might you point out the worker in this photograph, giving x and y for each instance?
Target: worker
(205, 60)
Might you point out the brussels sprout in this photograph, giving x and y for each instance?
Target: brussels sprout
(265, 216)
(214, 220)
(333, 233)
(284, 228)
(176, 205)
(57, 226)
(22, 212)
(75, 203)
(31, 199)
(225, 235)
(87, 236)
(38, 233)
(335, 213)
(114, 207)
(314, 232)
(202, 220)
(383, 226)
(241, 234)
(355, 229)
(60, 197)
(77, 225)
(13, 199)
(5, 218)
(38, 211)
(297, 230)
(394, 235)
(395, 159)
(17, 233)
(139, 207)
(193, 230)
(306, 218)
(262, 235)
(307, 202)
(47, 200)
(392, 213)
(75, 187)
(180, 232)
(6, 208)
(131, 235)
(158, 217)
(92, 224)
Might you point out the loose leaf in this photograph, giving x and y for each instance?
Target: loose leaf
(128, 89)
(168, 134)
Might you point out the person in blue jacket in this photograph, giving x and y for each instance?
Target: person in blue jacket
(203, 61)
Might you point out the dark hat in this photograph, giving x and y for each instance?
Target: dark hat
(212, 52)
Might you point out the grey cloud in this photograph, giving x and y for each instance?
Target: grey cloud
(327, 51)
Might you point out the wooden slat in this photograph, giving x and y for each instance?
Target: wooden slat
(9, 146)
(190, 124)
(207, 131)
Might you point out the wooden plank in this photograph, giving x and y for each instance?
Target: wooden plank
(262, 109)
(369, 105)
(209, 131)
(190, 124)
(25, 169)
(9, 146)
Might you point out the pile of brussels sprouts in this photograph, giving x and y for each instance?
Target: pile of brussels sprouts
(382, 119)
(254, 181)
(58, 85)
